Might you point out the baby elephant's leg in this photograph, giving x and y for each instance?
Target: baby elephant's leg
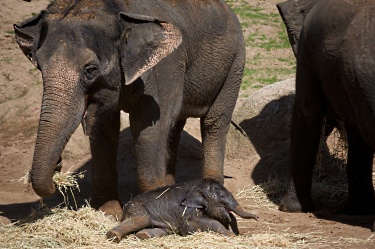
(151, 233)
(129, 225)
(213, 225)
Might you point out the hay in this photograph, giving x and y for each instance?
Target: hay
(59, 228)
(329, 185)
(66, 183)
(86, 228)
(26, 178)
(325, 192)
(264, 195)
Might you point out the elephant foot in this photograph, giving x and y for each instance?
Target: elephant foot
(213, 174)
(151, 233)
(111, 208)
(170, 179)
(5, 221)
(149, 185)
(114, 235)
(290, 203)
(360, 208)
(226, 232)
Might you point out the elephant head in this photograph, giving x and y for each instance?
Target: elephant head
(217, 202)
(87, 51)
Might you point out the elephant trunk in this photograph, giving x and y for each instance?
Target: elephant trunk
(237, 209)
(61, 113)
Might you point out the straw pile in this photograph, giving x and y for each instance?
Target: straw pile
(86, 228)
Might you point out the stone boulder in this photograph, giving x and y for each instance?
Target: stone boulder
(265, 118)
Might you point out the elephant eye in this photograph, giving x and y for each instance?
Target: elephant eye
(91, 71)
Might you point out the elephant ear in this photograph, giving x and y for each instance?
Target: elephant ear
(145, 41)
(28, 36)
(293, 13)
(195, 198)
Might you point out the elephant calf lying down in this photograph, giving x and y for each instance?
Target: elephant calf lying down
(182, 209)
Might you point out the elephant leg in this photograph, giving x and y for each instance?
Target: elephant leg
(104, 136)
(359, 172)
(150, 132)
(174, 139)
(215, 124)
(151, 233)
(306, 131)
(129, 225)
(205, 224)
(213, 143)
(151, 162)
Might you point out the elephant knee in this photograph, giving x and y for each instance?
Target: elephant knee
(308, 112)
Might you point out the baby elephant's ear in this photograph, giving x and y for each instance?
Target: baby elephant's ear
(195, 199)
(145, 41)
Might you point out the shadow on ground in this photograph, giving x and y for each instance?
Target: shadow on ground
(189, 166)
(269, 133)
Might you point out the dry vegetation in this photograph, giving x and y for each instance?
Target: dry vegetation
(86, 228)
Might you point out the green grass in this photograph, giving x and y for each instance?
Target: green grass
(280, 42)
(33, 70)
(36, 73)
(256, 14)
(7, 59)
(38, 82)
(271, 58)
(257, 78)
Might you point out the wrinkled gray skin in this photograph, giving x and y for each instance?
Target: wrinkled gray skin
(334, 43)
(182, 209)
(161, 61)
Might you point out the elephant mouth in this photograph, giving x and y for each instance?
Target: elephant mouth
(88, 115)
(59, 165)
(227, 215)
(87, 103)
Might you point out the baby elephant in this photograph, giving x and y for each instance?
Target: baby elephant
(183, 209)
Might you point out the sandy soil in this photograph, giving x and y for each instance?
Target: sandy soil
(20, 97)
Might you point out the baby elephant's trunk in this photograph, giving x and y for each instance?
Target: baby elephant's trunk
(240, 212)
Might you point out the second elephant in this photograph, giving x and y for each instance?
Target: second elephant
(334, 42)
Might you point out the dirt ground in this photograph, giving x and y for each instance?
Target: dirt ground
(20, 98)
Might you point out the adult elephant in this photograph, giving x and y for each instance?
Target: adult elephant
(161, 61)
(333, 41)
